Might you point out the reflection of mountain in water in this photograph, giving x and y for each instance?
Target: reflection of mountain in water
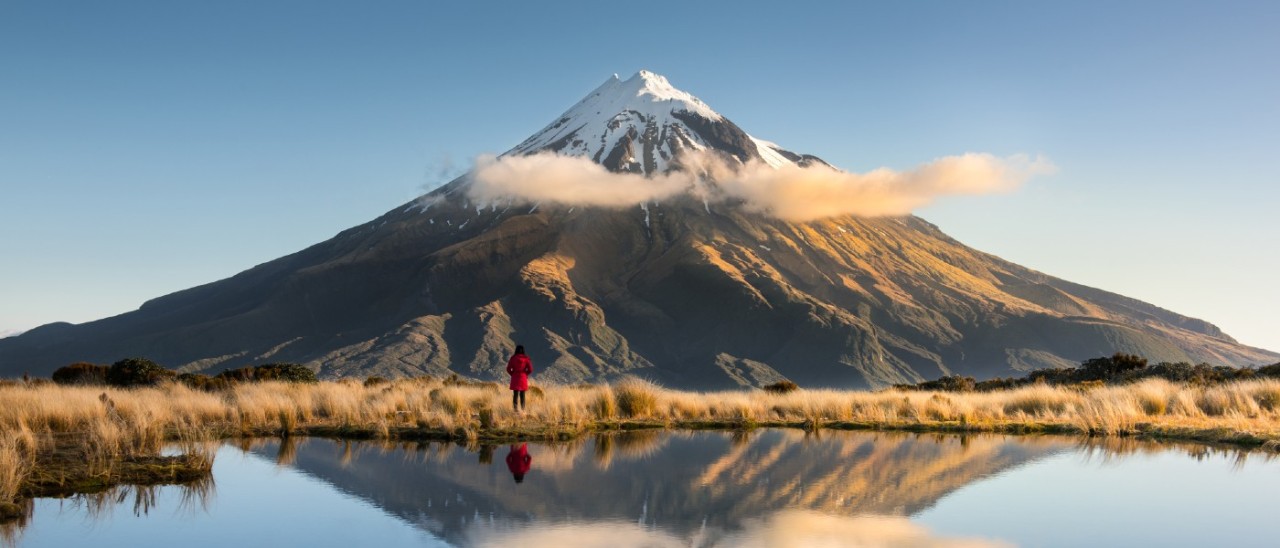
(680, 482)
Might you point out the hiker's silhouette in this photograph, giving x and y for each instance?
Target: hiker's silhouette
(519, 462)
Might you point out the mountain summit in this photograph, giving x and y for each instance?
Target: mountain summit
(689, 295)
(642, 124)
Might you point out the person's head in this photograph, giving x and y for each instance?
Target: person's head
(519, 349)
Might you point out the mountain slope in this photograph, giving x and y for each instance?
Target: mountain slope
(679, 291)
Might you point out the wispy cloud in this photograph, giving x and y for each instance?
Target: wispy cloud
(568, 180)
(790, 192)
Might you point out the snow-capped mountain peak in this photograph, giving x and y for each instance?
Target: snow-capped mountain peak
(642, 125)
(651, 91)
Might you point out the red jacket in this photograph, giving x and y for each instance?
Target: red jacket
(519, 367)
(519, 461)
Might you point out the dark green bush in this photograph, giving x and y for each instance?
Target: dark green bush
(137, 372)
(243, 374)
(949, 383)
(1120, 368)
(1057, 375)
(780, 387)
(1272, 370)
(1114, 367)
(290, 372)
(375, 381)
(998, 383)
(82, 373)
(204, 382)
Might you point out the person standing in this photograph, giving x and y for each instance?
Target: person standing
(519, 367)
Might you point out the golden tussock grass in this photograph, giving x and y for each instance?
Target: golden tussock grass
(113, 423)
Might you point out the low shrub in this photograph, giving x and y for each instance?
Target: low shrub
(998, 383)
(949, 383)
(204, 382)
(1272, 370)
(375, 381)
(1120, 368)
(1113, 367)
(781, 387)
(243, 374)
(137, 372)
(81, 373)
(289, 372)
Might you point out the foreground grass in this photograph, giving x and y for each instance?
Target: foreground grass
(42, 428)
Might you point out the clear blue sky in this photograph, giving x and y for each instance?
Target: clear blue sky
(146, 147)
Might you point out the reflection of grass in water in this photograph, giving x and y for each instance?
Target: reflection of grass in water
(635, 444)
(1107, 449)
(142, 499)
(100, 506)
(639, 443)
(12, 527)
(287, 453)
(602, 451)
(347, 453)
(196, 496)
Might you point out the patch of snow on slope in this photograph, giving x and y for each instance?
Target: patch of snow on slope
(769, 151)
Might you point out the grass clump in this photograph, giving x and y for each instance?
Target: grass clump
(605, 405)
(636, 398)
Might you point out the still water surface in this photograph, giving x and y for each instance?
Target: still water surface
(765, 488)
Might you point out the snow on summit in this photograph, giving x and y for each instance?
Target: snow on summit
(641, 124)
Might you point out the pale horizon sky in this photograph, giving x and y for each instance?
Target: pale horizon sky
(148, 147)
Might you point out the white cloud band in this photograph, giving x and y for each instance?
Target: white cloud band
(790, 192)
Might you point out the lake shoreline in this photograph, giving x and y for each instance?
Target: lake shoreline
(59, 437)
(564, 432)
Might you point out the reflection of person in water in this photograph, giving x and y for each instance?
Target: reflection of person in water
(519, 461)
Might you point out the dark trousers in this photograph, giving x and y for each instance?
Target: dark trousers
(517, 399)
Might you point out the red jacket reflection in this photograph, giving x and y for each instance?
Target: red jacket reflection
(519, 461)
